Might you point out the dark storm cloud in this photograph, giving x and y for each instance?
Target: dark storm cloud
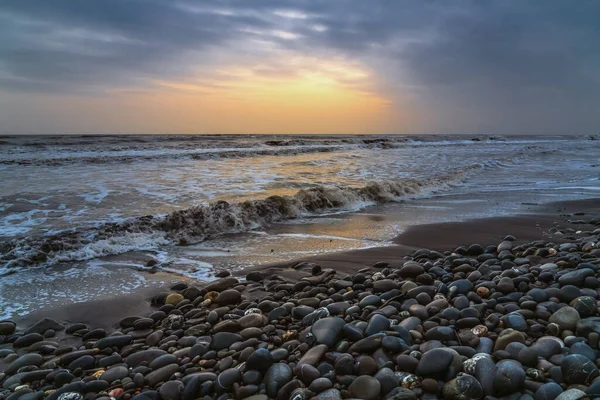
(466, 59)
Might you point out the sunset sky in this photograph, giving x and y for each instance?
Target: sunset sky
(299, 66)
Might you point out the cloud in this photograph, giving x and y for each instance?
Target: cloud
(465, 65)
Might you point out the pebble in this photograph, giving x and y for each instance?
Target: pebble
(365, 387)
(476, 322)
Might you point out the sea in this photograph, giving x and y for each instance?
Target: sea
(85, 217)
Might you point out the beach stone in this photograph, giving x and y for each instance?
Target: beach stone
(516, 321)
(584, 350)
(388, 380)
(370, 300)
(114, 374)
(223, 340)
(585, 306)
(571, 394)
(377, 323)
(221, 284)
(252, 321)
(70, 396)
(174, 299)
(260, 360)
(506, 285)
(161, 374)
(443, 363)
(147, 356)
(229, 296)
(7, 327)
(485, 372)
(328, 331)
(113, 341)
(587, 326)
(401, 393)
(463, 286)
(307, 373)
(463, 387)
(276, 377)
(578, 369)
(320, 385)
(330, 394)
(575, 278)
(227, 378)
(31, 359)
(171, 390)
(508, 336)
(509, 378)
(43, 325)
(365, 387)
(28, 340)
(548, 391)
(566, 318)
(384, 285)
(313, 355)
(441, 333)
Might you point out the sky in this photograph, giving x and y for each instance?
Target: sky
(300, 66)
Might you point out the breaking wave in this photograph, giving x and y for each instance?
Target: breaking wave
(198, 223)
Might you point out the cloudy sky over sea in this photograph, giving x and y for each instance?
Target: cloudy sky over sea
(302, 66)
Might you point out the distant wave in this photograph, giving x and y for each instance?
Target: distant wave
(202, 222)
(124, 149)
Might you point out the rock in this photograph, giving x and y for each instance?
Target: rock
(221, 284)
(571, 394)
(227, 378)
(174, 299)
(313, 355)
(260, 360)
(31, 359)
(548, 391)
(485, 372)
(43, 325)
(276, 377)
(365, 387)
(388, 380)
(463, 387)
(377, 323)
(441, 333)
(328, 331)
(508, 336)
(319, 385)
(440, 363)
(585, 306)
(28, 340)
(114, 374)
(385, 285)
(113, 341)
(229, 296)
(223, 340)
(252, 321)
(566, 318)
(330, 394)
(171, 390)
(161, 374)
(136, 359)
(509, 377)
(576, 277)
(7, 327)
(578, 369)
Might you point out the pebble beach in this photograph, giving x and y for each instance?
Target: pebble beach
(511, 318)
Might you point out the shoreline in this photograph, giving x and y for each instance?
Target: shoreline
(492, 315)
(442, 236)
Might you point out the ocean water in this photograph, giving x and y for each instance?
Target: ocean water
(79, 208)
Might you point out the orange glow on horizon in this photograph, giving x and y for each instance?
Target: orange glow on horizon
(301, 96)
